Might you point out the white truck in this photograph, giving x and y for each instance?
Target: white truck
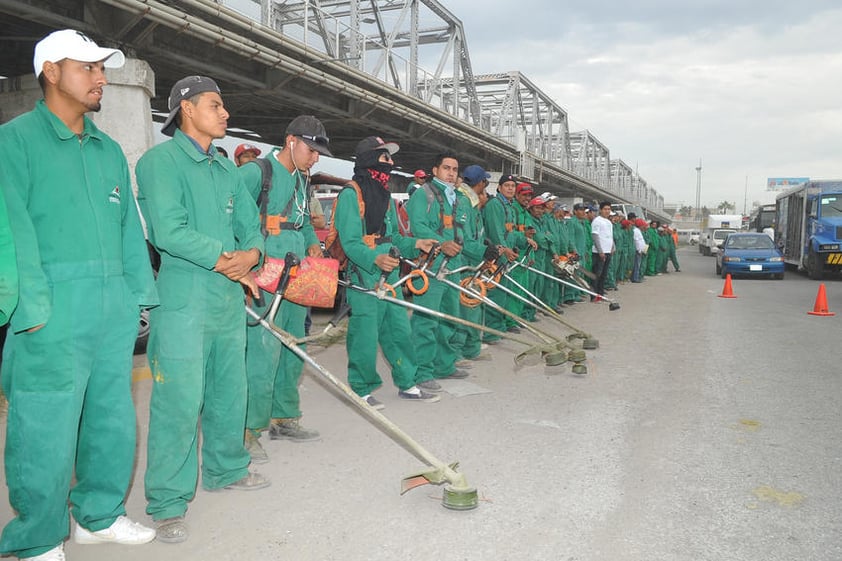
(715, 228)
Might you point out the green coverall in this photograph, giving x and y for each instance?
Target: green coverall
(196, 207)
(654, 241)
(434, 351)
(273, 370)
(540, 261)
(582, 243)
(467, 340)
(499, 218)
(372, 320)
(520, 274)
(84, 274)
(615, 265)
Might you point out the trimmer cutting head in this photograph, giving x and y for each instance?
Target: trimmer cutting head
(459, 498)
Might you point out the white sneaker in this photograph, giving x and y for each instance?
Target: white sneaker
(122, 531)
(55, 554)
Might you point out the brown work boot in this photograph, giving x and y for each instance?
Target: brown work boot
(291, 429)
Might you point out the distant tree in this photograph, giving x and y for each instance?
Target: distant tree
(705, 212)
(724, 207)
(686, 210)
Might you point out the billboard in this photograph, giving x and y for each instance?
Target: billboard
(783, 183)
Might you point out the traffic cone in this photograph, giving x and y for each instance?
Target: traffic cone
(820, 308)
(727, 291)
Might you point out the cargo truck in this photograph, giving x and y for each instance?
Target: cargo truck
(808, 227)
(715, 228)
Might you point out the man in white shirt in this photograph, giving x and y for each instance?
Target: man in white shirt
(640, 248)
(602, 233)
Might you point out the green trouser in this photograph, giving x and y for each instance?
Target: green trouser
(661, 262)
(467, 340)
(536, 286)
(551, 293)
(69, 391)
(372, 321)
(674, 258)
(514, 305)
(651, 258)
(273, 370)
(197, 357)
(611, 275)
(433, 350)
(493, 318)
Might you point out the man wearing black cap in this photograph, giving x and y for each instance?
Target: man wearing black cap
(499, 218)
(205, 226)
(273, 370)
(367, 240)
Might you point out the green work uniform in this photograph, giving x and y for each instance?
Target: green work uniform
(84, 275)
(549, 292)
(196, 207)
(520, 274)
(273, 370)
(428, 208)
(540, 260)
(582, 242)
(372, 320)
(499, 218)
(467, 340)
(654, 241)
(616, 257)
(8, 267)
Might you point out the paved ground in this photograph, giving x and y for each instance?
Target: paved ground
(705, 429)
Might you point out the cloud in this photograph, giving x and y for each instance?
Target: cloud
(750, 87)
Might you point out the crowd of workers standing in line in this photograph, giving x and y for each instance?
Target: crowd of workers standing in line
(76, 273)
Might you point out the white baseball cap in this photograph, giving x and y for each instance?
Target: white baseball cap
(75, 45)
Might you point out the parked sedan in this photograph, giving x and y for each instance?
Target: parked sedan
(749, 253)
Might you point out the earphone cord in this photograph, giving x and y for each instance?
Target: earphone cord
(302, 211)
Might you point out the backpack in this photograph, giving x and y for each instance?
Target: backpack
(333, 246)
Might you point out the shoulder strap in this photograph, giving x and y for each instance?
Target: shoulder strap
(265, 186)
(434, 194)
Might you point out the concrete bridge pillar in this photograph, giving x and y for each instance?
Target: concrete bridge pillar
(126, 114)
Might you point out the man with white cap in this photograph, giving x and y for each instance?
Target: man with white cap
(203, 222)
(84, 275)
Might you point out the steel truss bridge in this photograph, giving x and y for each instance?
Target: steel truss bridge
(397, 68)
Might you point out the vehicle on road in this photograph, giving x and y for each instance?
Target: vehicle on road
(714, 230)
(809, 227)
(751, 254)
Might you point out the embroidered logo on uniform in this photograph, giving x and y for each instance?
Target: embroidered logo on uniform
(229, 208)
(114, 197)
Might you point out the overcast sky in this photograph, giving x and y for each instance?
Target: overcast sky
(752, 87)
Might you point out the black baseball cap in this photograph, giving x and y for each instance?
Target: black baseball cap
(374, 144)
(505, 178)
(311, 131)
(185, 89)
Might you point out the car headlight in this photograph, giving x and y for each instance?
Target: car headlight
(776, 259)
(731, 259)
(829, 247)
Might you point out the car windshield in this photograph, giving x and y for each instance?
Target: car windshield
(749, 242)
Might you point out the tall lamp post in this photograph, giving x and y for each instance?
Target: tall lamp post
(699, 189)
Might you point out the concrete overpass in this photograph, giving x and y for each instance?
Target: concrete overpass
(359, 66)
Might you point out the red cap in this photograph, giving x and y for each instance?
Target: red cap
(523, 188)
(537, 201)
(245, 148)
(640, 223)
(420, 173)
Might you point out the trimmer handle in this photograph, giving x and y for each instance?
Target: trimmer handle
(290, 260)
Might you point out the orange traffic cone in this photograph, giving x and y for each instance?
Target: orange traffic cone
(820, 308)
(727, 291)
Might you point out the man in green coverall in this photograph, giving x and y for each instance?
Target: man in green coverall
(84, 275)
(273, 370)
(499, 218)
(653, 238)
(433, 211)
(581, 238)
(523, 223)
(367, 240)
(467, 340)
(204, 223)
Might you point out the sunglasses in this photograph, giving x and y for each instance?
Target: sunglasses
(318, 139)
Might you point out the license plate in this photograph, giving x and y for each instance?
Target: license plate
(755, 267)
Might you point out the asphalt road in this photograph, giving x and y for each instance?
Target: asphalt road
(705, 429)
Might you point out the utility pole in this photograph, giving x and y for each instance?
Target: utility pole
(745, 197)
(699, 190)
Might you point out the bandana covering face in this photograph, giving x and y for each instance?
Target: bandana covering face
(373, 178)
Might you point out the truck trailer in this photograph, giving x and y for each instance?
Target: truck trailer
(809, 226)
(715, 228)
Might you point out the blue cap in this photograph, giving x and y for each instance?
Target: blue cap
(474, 174)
